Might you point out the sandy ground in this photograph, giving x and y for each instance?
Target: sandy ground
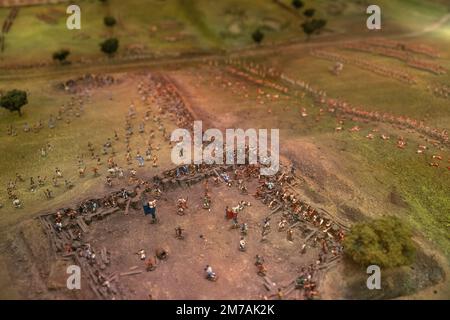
(209, 240)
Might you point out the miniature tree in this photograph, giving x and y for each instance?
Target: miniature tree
(109, 21)
(297, 4)
(14, 100)
(313, 26)
(258, 36)
(110, 46)
(309, 12)
(384, 242)
(61, 55)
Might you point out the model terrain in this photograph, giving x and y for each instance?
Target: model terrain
(364, 150)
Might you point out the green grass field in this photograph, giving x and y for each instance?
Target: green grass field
(171, 27)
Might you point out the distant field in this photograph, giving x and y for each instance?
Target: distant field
(172, 27)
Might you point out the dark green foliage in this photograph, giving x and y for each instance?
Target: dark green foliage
(313, 26)
(61, 55)
(14, 100)
(110, 46)
(384, 242)
(258, 36)
(309, 12)
(109, 21)
(297, 4)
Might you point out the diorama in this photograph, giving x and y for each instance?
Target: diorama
(209, 150)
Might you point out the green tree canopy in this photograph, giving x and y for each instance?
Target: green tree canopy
(384, 242)
(109, 21)
(297, 4)
(313, 26)
(258, 36)
(110, 46)
(14, 100)
(309, 12)
(61, 55)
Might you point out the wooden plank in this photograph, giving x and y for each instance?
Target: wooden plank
(47, 233)
(130, 273)
(268, 288)
(72, 236)
(275, 210)
(82, 225)
(94, 289)
(127, 208)
(104, 255)
(310, 235)
(113, 277)
(70, 254)
(268, 281)
(109, 211)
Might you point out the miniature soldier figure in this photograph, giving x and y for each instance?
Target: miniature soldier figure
(150, 264)
(282, 225)
(81, 172)
(206, 202)
(120, 173)
(155, 159)
(58, 173)
(337, 68)
(210, 274)
(259, 265)
(55, 182)
(228, 213)
(259, 260)
(141, 254)
(242, 244)
(48, 194)
(261, 270)
(58, 226)
(290, 235)
(181, 205)
(68, 184)
(41, 181)
(142, 127)
(179, 233)
(19, 178)
(32, 185)
(148, 154)
(17, 203)
(266, 226)
(150, 208)
(244, 229)
(140, 159)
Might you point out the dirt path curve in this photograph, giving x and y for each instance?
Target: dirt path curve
(433, 27)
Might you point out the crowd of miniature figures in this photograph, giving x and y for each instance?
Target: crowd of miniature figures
(343, 110)
(67, 226)
(152, 88)
(334, 105)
